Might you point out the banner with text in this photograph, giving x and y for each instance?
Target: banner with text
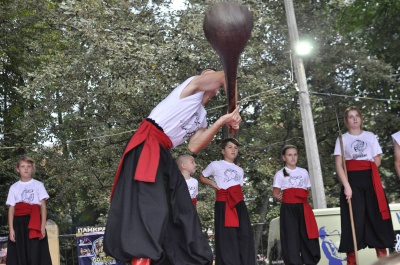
(90, 246)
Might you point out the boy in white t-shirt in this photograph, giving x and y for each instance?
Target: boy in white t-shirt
(234, 241)
(27, 214)
(187, 166)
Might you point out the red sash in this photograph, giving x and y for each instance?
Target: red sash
(150, 157)
(33, 210)
(194, 200)
(356, 165)
(231, 196)
(297, 195)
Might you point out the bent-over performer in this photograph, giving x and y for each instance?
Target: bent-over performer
(152, 219)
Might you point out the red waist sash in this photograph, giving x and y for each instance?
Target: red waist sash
(231, 196)
(33, 210)
(357, 165)
(194, 200)
(297, 195)
(150, 157)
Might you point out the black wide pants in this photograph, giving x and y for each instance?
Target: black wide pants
(371, 231)
(155, 220)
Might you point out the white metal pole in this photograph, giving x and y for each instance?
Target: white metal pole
(314, 165)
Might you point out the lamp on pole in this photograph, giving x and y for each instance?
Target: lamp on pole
(314, 165)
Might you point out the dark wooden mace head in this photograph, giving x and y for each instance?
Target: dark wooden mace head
(227, 26)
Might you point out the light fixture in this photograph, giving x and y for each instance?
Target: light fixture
(303, 48)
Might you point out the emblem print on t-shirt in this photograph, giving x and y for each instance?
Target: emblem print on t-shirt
(296, 181)
(192, 190)
(191, 125)
(230, 174)
(28, 196)
(359, 147)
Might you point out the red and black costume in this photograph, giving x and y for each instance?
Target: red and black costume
(29, 247)
(298, 227)
(151, 214)
(371, 214)
(372, 221)
(234, 240)
(155, 220)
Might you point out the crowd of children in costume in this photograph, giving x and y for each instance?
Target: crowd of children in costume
(154, 196)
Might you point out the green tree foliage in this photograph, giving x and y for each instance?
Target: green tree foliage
(372, 28)
(23, 29)
(374, 25)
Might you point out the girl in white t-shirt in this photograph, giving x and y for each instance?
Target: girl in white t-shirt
(299, 238)
(234, 242)
(362, 185)
(27, 214)
(396, 144)
(187, 166)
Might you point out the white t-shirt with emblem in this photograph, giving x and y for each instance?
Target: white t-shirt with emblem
(225, 174)
(298, 178)
(179, 117)
(31, 192)
(396, 136)
(359, 147)
(193, 187)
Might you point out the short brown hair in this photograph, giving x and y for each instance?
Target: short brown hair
(227, 140)
(28, 159)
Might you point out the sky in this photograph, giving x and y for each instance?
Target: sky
(178, 4)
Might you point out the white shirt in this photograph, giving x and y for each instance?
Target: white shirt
(359, 147)
(31, 192)
(298, 178)
(225, 174)
(193, 187)
(179, 117)
(396, 136)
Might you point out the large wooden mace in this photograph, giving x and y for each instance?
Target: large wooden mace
(227, 26)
